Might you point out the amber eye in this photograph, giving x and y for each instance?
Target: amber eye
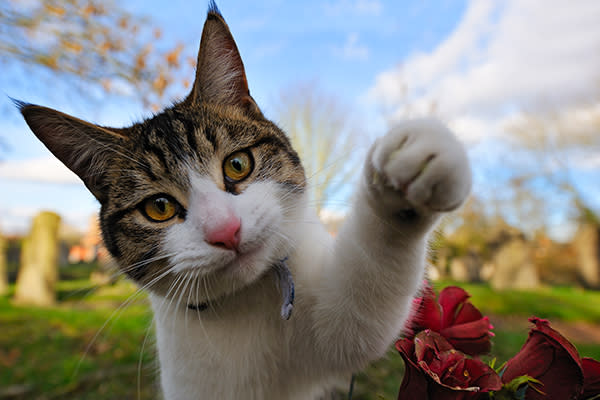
(237, 166)
(159, 208)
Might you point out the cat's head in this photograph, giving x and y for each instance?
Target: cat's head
(203, 194)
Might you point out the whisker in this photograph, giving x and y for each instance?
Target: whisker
(141, 360)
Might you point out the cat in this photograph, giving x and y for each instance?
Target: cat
(205, 206)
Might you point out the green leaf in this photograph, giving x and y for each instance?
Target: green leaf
(516, 389)
(516, 383)
(520, 393)
(500, 370)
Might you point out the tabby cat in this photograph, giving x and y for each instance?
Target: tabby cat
(205, 205)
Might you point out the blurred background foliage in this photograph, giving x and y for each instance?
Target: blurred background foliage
(91, 336)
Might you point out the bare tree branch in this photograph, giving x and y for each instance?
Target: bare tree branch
(327, 137)
(97, 43)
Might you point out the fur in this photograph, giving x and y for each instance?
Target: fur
(216, 306)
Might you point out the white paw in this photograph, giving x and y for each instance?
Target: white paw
(419, 165)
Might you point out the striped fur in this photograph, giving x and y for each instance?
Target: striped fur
(217, 310)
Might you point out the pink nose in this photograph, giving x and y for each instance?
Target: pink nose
(225, 234)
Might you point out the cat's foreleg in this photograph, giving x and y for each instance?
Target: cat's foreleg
(412, 175)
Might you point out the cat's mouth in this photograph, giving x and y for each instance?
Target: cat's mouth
(285, 283)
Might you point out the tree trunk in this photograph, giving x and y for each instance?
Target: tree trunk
(38, 274)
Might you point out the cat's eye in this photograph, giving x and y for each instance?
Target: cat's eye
(237, 166)
(160, 208)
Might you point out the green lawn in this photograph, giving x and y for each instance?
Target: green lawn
(64, 351)
(565, 303)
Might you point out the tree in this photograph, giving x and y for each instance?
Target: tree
(565, 144)
(327, 138)
(559, 142)
(88, 42)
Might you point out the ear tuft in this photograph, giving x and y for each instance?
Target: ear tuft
(213, 9)
(19, 104)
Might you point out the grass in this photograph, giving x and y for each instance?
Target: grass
(63, 352)
(564, 303)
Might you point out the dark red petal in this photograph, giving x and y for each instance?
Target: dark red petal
(454, 374)
(472, 373)
(591, 377)
(450, 299)
(441, 365)
(428, 314)
(543, 326)
(429, 347)
(535, 359)
(483, 376)
(414, 384)
(473, 347)
(443, 393)
(472, 338)
(450, 368)
(467, 313)
(550, 358)
(406, 348)
(429, 339)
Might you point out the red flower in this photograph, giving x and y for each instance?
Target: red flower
(436, 371)
(550, 358)
(591, 377)
(455, 318)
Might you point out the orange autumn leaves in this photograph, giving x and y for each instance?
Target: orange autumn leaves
(94, 43)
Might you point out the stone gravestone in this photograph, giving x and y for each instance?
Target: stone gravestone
(3, 267)
(514, 267)
(587, 247)
(38, 273)
(466, 268)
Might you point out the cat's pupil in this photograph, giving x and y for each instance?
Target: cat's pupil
(236, 164)
(161, 204)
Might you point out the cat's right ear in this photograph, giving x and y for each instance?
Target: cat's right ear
(220, 75)
(85, 148)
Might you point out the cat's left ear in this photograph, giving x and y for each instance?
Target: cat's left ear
(220, 75)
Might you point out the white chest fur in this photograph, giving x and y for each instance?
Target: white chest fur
(353, 293)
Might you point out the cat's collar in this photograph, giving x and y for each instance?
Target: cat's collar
(198, 307)
(285, 283)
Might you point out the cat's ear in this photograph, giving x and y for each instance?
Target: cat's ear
(220, 75)
(85, 148)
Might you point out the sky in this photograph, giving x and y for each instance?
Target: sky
(481, 63)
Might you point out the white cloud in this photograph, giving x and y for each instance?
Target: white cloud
(47, 169)
(588, 161)
(471, 128)
(503, 56)
(353, 49)
(17, 220)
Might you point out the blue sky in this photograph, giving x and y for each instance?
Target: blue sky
(481, 62)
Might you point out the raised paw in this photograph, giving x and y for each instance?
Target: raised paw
(419, 165)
